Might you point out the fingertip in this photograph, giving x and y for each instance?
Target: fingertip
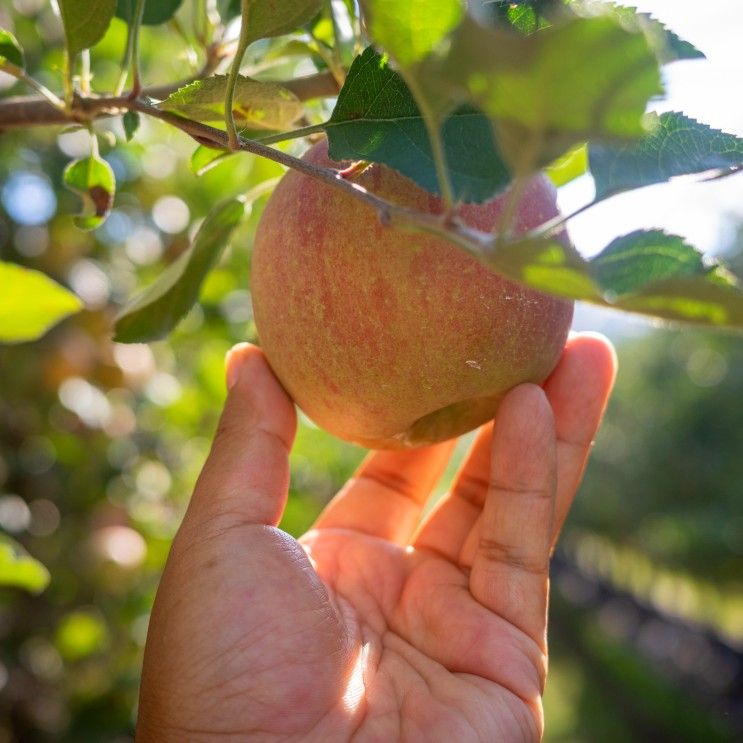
(595, 350)
(250, 378)
(234, 360)
(524, 428)
(527, 402)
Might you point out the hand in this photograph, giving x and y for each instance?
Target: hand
(374, 626)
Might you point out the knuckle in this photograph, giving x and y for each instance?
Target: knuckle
(495, 551)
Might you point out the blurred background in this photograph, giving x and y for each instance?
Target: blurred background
(100, 443)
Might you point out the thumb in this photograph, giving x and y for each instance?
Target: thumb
(246, 476)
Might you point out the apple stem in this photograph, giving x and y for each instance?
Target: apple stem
(354, 169)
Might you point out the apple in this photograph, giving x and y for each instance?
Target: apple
(391, 338)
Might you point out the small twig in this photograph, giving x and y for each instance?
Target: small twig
(25, 111)
(479, 244)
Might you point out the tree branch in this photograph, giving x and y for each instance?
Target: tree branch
(18, 112)
(25, 111)
(477, 243)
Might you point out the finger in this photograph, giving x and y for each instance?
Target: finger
(246, 476)
(449, 523)
(510, 570)
(578, 391)
(386, 495)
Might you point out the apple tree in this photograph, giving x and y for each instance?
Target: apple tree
(467, 102)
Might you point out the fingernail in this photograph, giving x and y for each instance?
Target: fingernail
(234, 361)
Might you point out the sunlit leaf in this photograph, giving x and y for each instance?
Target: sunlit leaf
(19, 570)
(539, 90)
(647, 271)
(667, 44)
(635, 261)
(154, 312)
(31, 303)
(92, 178)
(267, 18)
(257, 105)
(377, 119)
(676, 145)
(10, 49)
(569, 166)
(85, 21)
(410, 29)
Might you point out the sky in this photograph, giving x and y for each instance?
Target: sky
(710, 90)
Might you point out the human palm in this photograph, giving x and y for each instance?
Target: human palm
(378, 624)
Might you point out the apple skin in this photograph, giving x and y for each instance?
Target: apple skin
(388, 338)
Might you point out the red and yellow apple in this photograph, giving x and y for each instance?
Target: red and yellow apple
(390, 338)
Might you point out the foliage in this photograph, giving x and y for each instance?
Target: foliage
(100, 442)
(470, 103)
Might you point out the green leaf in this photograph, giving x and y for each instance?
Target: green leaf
(539, 89)
(10, 49)
(676, 145)
(268, 18)
(85, 22)
(154, 313)
(668, 46)
(19, 570)
(155, 11)
(569, 166)
(550, 265)
(205, 158)
(31, 303)
(376, 119)
(130, 121)
(93, 180)
(409, 30)
(647, 272)
(635, 261)
(257, 105)
(525, 16)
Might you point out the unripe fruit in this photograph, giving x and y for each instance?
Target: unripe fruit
(391, 338)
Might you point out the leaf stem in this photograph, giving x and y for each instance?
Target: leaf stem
(304, 131)
(433, 128)
(42, 90)
(233, 140)
(477, 243)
